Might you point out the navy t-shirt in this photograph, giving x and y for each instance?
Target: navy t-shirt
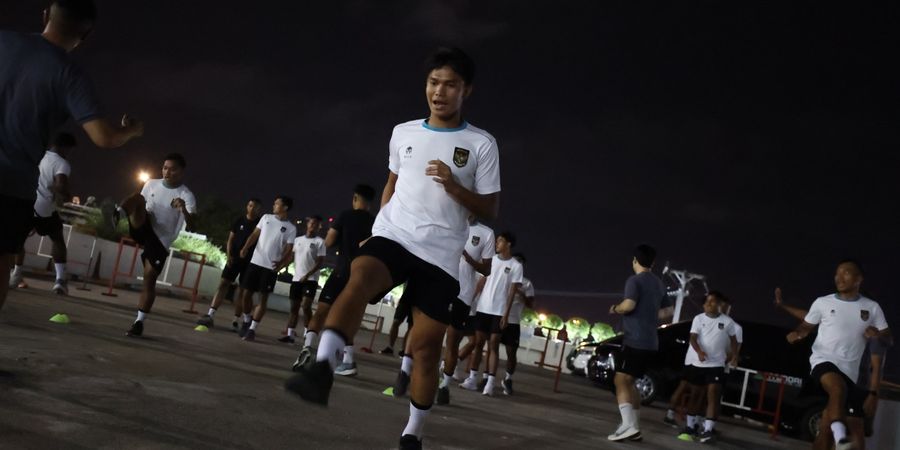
(649, 294)
(242, 229)
(353, 226)
(40, 89)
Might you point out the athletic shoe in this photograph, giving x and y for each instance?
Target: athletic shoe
(410, 442)
(488, 390)
(687, 434)
(637, 438)
(671, 422)
(60, 287)
(312, 382)
(443, 396)
(235, 328)
(250, 336)
(482, 384)
(304, 357)
(16, 280)
(136, 330)
(469, 384)
(706, 436)
(844, 444)
(507, 387)
(387, 351)
(401, 384)
(206, 321)
(623, 433)
(286, 339)
(245, 327)
(345, 370)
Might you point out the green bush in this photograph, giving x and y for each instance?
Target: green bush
(214, 255)
(577, 328)
(529, 317)
(601, 331)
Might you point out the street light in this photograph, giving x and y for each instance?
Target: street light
(143, 176)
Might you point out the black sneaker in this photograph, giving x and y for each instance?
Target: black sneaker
(312, 382)
(671, 421)
(250, 335)
(443, 396)
(636, 438)
(305, 355)
(387, 351)
(235, 328)
(287, 339)
(206, 321)
(507, 387)
(401, 384)
(706, 436)
(136, 330)
(410, 442)
(245, 327)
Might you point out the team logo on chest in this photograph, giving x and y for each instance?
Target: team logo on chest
(506, 270)
(312, 245)
(864, 315)
(460, 157)
(283, 229)
(721, 326)
(476, 240)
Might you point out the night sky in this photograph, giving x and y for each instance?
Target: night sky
(757, 145)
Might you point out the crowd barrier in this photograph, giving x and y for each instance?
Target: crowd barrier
(561, 335)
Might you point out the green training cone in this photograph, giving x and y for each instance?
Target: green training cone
(389, 391)
(201, 328)
(60, 318)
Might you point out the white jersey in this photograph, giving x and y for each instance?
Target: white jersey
(306, 251)
(421, 216)
(739, 333)
(274, 234)
(842, 324)
(515, 311)
(51, 165)
(504, 273)
(480, 246)
(167, 221)
(714, 337)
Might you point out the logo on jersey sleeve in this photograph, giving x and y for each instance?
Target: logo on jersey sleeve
(721, 326)
(460, 157)
(864, 315)
(476, 240)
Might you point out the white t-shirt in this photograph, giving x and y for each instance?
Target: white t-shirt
(515, 311)
(421, 216)
(51, 165)
(167, 222)
(842, 324)
(738, 332)
(714, 337)
(274, 234)
(480, 246)
(496, 288)
(306, 251)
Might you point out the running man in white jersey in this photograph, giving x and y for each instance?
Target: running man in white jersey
(493, 308)
(440, 170)
(309, 255)
(511, 334)
(274, 240)
(156, 216)
(52, 191)
(846, 321)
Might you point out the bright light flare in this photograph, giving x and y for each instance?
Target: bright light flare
(143, 176)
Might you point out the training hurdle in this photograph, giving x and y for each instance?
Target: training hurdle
(377, 323)
(123, 242)
(562, 335)
(765, 379)
(186, 257)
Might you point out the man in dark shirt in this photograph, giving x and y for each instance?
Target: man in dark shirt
(40, 89)
(645, 295)
(349, 231)
(241, 230)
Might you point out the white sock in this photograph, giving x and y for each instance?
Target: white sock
(473, 374)
(211, 312)
(839, 430)
(348, 354)
(247, 317)
(290, 332)
(17, 270)
(253, 325)
(310, 338)
(670, 414)
(708, 425)
(416, 424)
(445, 380)
(330, 345)
(406, 365)
(60, 270)
(490, 383)
(141, 316)
(508, 376)
(691, 421)
(626, 411)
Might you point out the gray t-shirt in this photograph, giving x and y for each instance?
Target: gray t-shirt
(648, 291)
(40, 89)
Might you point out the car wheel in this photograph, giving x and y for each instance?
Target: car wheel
(647, 387)
(810, 422)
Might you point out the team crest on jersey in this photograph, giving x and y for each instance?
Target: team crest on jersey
(864, 315)
(506, 270)
(283, 229)
(460, 157)
(476, 240)
(721, 326)
(409, 150)
(312, 245)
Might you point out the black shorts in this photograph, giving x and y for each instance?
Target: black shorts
(856, 395)
(232, 271)
(404, 310)
(704, 376)
(510, 335)
(303, 289)
(487, 323)
(154, 252)
(48, 226)
(431, 289)
(635, 361)
(333, 287)
(258, 279)
(469, 328)
(459, 314)
(16, 223)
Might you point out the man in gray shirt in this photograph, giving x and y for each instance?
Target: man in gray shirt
(645, 295)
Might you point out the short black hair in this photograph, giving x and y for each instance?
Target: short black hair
(854, 262)
(520, 257)
(453, 58)
(287, 201)
(64, 140)
(645, 255)
(255, 200)
(509, 236)
(177, 157)
(719, 296)
(365, 191)
(315, 217)
(75, 18)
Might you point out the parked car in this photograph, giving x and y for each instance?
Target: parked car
(578, 357)
(764, 351)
